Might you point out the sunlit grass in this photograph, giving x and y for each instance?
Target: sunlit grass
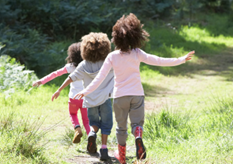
(172, 40)
(196, 34)
(180, 137)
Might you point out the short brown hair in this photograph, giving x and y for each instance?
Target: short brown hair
(95, 46)
(128, 34)
(74, 54)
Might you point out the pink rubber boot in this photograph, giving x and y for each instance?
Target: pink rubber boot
(140, 149)
(120, 154)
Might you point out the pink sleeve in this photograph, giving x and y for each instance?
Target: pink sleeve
(106, 67)
(160, 61)
(53, 75)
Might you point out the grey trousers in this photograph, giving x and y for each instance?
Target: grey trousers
(132, 106)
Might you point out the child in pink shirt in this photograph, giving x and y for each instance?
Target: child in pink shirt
(73, 59)
(128, 94)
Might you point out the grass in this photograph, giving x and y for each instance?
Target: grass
(197, 132)
(188, 137)
(189, 109)
(19, 140)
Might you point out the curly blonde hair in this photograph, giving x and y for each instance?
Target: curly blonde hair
(74, 54)
(95, 46)
(128, 33)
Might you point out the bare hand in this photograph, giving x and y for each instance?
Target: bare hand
(55, 95)
(36, 83)
(79, 95)
(189, 55)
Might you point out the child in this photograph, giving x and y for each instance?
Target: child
(72, 59)
(94, 49)
(128, 94)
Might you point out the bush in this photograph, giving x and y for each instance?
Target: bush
(13, 76)
(34, 50)
(29, 28)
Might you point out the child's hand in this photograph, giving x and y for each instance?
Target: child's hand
(55, 95)
(79, 95)
(36, 83)
(189, 55)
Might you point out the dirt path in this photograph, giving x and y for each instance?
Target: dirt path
(85, 158)
(200, 75)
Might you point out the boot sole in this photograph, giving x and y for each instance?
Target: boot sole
(77, 139)
(116, 155)
(91, 146)
(140, 149)
(104, 159)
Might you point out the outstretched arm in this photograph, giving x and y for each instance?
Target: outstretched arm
(189, 55)
(160, 61)
(65, 84)
(36, 83)
(50, 77)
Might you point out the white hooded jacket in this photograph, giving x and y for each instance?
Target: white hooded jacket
(87, 71)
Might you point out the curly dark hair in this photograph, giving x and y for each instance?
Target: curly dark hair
(74, 54)
(128, 33)
(95, 46)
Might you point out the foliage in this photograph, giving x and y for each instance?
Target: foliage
(25, 47)
(34, 50)
(21, 138)
(220, 6)
(13, 76)
(38, 33)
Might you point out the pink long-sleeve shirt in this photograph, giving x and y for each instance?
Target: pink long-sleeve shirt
(127, 72)
(75, 87)
(53, 75)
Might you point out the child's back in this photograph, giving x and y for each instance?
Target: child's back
(127, 71)
(87, 71)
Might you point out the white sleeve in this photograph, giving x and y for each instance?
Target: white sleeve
(70, 67)
(77, 74)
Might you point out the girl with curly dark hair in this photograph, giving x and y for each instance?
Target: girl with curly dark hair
(94, 49)
(128, 95)
(73, 59)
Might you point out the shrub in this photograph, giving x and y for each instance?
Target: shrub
(29, 27)
(13, 76)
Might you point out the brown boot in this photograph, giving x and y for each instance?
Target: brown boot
(77, 135)
(120, 154)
